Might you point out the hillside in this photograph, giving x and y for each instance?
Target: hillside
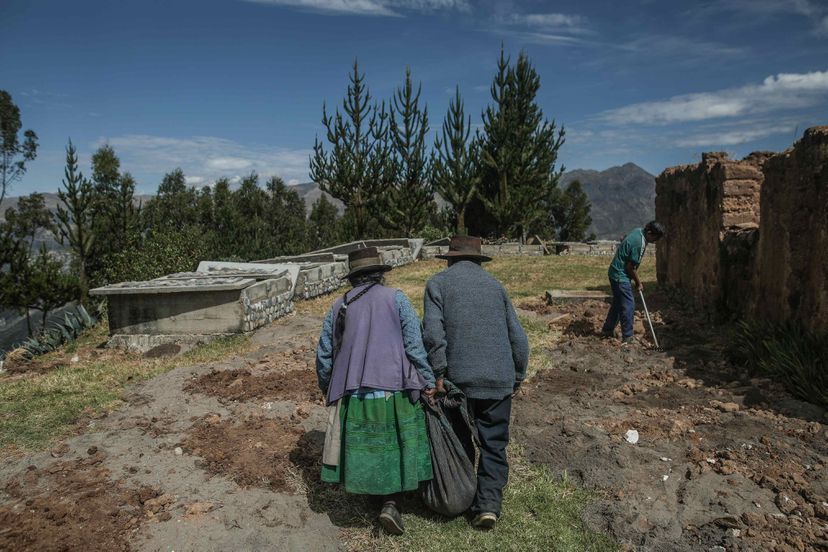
(622, 198)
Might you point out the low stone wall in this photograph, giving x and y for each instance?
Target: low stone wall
(699, 204)
(266, 301)
(319, 279)
(793, 243)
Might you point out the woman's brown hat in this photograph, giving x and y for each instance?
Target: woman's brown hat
(468, 247)
(366, 259)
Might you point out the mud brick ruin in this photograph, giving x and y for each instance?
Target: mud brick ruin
(750, 237)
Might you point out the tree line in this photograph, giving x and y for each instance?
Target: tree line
(113, 237)
(500, 182)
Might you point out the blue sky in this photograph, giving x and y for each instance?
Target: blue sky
(225, 87)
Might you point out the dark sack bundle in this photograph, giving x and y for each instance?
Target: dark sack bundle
(452, 437)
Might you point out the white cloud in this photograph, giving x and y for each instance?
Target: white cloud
(777, 92)
(224, 164)
(732, 137)
(548, 21)
(543, 28)
(208, 157)
(194, 180)
(386, 8)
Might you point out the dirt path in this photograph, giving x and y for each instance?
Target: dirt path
(198, 459)
(721, 460)
(226, 456)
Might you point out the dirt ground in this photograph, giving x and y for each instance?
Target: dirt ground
(721, 460)
(225, 456)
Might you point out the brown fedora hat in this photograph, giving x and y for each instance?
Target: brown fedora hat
(468, 247)
(366, 259)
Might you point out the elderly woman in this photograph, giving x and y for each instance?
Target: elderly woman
(372, 367)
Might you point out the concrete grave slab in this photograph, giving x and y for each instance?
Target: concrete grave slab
(558, 296)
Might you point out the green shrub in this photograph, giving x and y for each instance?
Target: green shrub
(785, 352)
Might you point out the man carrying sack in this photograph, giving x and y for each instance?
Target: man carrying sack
(474, 339)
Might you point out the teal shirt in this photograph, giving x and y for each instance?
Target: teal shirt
(631, 249)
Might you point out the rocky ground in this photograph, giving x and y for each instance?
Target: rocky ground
(722, 461)
(225, 456)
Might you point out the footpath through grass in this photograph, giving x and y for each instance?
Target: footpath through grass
(540, 511)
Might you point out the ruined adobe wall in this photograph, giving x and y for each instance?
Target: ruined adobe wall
(711, 210)
(793, 245)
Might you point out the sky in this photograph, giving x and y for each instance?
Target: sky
(221, 88)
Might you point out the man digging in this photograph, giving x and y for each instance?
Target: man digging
(623, 272)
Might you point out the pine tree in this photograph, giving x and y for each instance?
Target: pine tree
(322, 224)
(250, 235)
(571, 213)
(408, 191)
(286, 218)
(350, 171)
(519, 150)
(75, 217)
(455, 164)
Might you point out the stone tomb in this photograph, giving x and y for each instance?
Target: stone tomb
(195, 307)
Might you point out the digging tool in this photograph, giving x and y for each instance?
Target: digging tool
(649, 320)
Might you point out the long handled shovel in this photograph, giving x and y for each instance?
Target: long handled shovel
(649, 321)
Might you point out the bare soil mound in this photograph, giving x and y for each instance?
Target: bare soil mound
(75, 506)
(286, 376)
(254, 452)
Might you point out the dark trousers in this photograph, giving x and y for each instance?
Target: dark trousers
(622, 309)
(491, 416)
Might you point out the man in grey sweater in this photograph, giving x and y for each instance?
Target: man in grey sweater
(474, 339)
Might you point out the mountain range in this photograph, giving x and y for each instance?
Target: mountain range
(622, 198)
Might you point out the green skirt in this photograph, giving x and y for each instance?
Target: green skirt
(384, 447)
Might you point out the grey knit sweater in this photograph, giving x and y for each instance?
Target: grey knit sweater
(471, 332)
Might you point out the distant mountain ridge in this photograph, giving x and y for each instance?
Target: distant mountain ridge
(622, 198)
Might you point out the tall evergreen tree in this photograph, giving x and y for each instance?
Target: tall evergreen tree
(286, 216)
(75, 217)
(322, 224)
(250, 233)
(350, 170)
(571, 213)
(15, 152)
(519, 150)
(406, 200)
(455, 163)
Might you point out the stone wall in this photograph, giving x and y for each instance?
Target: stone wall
(318, 279)
(700, 205)
(793, 245)
(750, 237)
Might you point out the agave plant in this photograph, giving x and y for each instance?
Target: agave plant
(787, 353)
(73, 325)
